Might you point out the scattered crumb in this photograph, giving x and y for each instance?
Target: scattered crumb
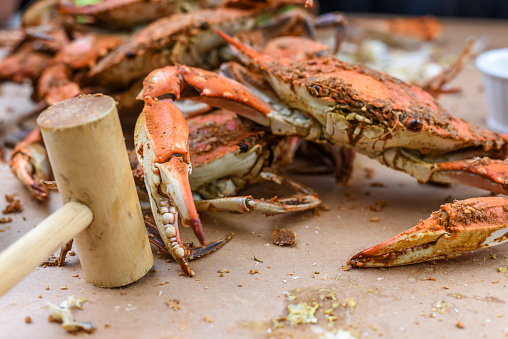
(460, 324)
(240, 285)
(256, 259)
(222, 271)
(254, 272)
(369, 173)
(284, 237)
(107, 325)
(377, 207)
(46, 287)
(14, 205)
(5, 220)
(208, 320)
(63, 287)
(374, 219)
(350, 197)
(173, 303)
(446, 287)
(28, 320)
(324, 207)
(377, 184)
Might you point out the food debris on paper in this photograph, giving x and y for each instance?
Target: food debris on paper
(283, 237)
(173, 303)
(62, 314)
(14, 204)
(302, 313)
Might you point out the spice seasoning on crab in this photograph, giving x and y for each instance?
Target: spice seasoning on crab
(161, 140)
(229, 153)
(324, 99)
(456, 228)
(398, 124)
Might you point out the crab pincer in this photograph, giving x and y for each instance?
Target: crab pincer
(161, 145)
(161, 141)
(456, 228)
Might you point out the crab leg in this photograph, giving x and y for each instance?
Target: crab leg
(161, 145)
(249, 204)
(181, 82)
(456, 228)
(481, 172)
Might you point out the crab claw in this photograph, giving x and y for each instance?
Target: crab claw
(456, 228)
(29, 162)
(161, 141)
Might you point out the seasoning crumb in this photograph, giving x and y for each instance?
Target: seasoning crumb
(14, 204)
(240, 285)
(460, 324)
(208, 320)
(63, 287)
(40, 296)
(284, 237)
(107, 325)
(28, 320)
(173, 303)
(254, 272)
(324, 207)
(377, 207)
(5, 220)
(446, 287)
(374, 219)
(46, 287)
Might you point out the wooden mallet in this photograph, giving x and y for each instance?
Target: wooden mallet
(101, 209)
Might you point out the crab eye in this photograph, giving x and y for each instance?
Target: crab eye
(243, 146)
(130, 54)
(415, 125)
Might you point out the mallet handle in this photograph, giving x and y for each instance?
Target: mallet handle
(33, 248)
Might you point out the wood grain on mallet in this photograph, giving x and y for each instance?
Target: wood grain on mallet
(89, 158)
(33, 248)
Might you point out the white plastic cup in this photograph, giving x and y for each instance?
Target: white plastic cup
(494, 67)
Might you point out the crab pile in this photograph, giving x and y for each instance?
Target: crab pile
(278, 103)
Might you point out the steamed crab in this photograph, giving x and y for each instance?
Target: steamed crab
(63, 64)
(327, 100)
